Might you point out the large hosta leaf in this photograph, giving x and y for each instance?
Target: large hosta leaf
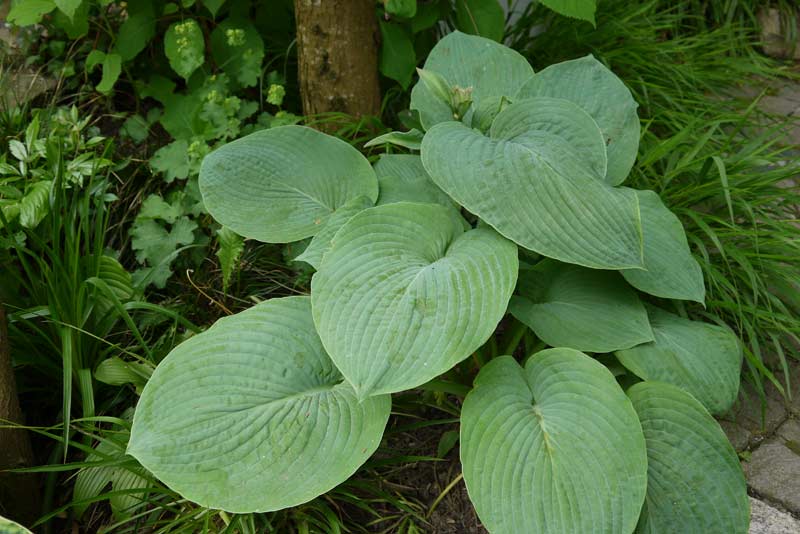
(671, 270)
(282, 184)
(322, 241)
(401, 177)
(597, 90)
(695, 483)
(489, 68)
(704, 359)
(251, 415)
(580, 308)
(552, 448)
(537, 179)
(10, 527)
(404, 293)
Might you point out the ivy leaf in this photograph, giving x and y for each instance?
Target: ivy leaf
(30, 11)
(184, 47)
(231, 246)
(481, 17)
(35, 205)
(579, 9)
(398, 58)
(401, 8)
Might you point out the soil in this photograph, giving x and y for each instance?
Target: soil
(424, 481)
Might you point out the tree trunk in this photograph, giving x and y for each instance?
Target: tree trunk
(19, 495)
(337, 43)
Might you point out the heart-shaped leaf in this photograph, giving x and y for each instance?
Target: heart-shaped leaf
(468, 61)
(704, 359)
(555, 447)
(598, 91)
(537, 179)
(321, 242)
(584, 309)
(282, 184)
(695, 483)
(404, 294)
(251, 415)
(401, 177)
(671, 270)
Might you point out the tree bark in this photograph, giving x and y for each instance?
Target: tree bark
(19, 495)
(337, 43)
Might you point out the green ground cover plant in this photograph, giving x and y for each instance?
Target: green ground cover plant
(406, 288)
(697, 151)
(700, 150)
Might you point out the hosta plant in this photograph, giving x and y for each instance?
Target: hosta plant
(513, 215)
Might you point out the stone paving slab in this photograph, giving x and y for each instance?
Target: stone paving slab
(773, 469)
(747, 425)
(766, 519)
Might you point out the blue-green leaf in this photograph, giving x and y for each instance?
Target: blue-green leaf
(537, 178)
(487, 68)
(282, 184)
(252, 415)
(695, 483)
(405, 293)
(584, 309)
(702, 358)
(554, 447)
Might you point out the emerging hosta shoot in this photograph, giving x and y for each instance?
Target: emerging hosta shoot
(416, 265)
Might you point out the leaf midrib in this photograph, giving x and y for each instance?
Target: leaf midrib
(326, 388)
